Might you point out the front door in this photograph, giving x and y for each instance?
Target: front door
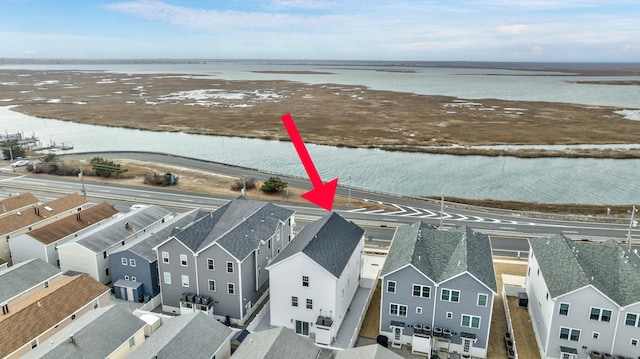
(123, 293)
(466, 345)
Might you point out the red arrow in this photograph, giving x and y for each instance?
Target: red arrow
(322, 194)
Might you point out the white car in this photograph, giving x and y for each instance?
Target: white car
(20, 163)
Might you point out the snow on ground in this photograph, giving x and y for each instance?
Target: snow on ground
(633, 115)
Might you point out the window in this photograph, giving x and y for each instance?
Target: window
(449, 315)
(133, 279)
(603, 315)
(309, 303)
(126, 277)
(564, 309)
(210, 264)
(294, 301)
(106, 271)
(165, 257)
(398, 309)
(132, 262)
(634, 342)
(96, 304)
(185, 280)
(450, 295)
(391, 286)
(631, 319)
(595, 335)
(124, 261)
(229, 267)
(570, 334)
(231, 288)
(423, 291)
(132, 341)
(470, 321)
(34, 343)
(305, 281)
(482, 300)
(302, 327)
(167, 278)
(183, 260)
(212, 285)
(46, 284)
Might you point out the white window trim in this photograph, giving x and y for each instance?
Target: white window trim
(418, 310)
(470, 321)
(232, 286)
(570, 331)
(560, 308)
(395, 286)
(232, 267)
(132, 262)
(166, 275)
(486, 300)
(422, 286)
(165, 257)
(600, 314)
(306, 303)
(133, 279)
(124, 261)
(595, 335)
(183, 281)
(449, 315)
(450, 295)
(213, 262)
(631, 342)
(209, 285)
(186, 260)
(126, 277)
(398, 308)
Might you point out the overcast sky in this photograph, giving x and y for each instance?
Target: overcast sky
(471, 30)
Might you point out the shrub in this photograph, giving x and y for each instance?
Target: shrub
(249, 183)
(273, 185)
(156, 179)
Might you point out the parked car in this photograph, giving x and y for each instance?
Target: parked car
(20, 163)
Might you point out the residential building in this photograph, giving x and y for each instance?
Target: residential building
(276, 343)
(314, 279)
(134, 266)
(23, 280)
(438, 289)
(3, 264)
(89, 249)
(20, 202)
(194, 336)
(372, 351)
(110, 332)
(43, 242)
(19, 222)
(217, 263)
(583, 297)
(38, 316)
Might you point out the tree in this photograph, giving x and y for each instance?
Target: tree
(105, 168)
(12, 148)
(273, 185)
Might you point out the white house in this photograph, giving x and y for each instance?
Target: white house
(584, 298)
(313, 279)
(88, 252)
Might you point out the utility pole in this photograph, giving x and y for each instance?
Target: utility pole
(349, 203)
(632, 223)
(244, 186)
(81, 175)
(441, 211)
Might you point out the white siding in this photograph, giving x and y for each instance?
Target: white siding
(25, 247)
(540, 307)
(77, 258)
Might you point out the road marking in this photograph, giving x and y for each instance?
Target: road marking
(574, 232)
(187, 200)
(104, 190)
(375, 211)
(12, 178)
(508, 228)
(144, 195)
(356, 210)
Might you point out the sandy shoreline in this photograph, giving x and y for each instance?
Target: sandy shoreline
(327, 114)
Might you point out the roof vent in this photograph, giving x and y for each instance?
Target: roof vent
(18, 213)
(48, 208)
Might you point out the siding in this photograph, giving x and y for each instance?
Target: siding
(25, 247)
(74, 257)
(171, 293)
(144, 272)
(539, 307)
(223, 303)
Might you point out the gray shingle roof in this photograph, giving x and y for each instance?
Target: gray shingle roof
(329, 241)
(567, 265)
(24, 275)
(143, 246)
(193, 336)
(441, 255)
(112, 230)
(372, 351)
(238, 226)
(276, 343)
(96, 334)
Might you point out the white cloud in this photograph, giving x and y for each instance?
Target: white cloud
(305, 4)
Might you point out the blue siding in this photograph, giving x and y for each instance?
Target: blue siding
(144, 272)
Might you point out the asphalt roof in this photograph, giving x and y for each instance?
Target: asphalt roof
(61, 228)
(329, 241)
(114, 230)
(276, 343)
(16, 202)
(22, 276)
(196, 335)
(441, 255)
(238, 227)
(15, 221)
(96, 334)
(143, 246)
(45, 309)
(568, 265)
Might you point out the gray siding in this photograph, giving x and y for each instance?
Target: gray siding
(223, 303)
(171, 293)
(144, 272)
(405, 279)
(469, 288)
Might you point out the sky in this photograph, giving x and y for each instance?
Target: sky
(400, 30)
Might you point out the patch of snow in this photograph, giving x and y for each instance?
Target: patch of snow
(80, 102)
(12, 83)
(6, 99)
(633, 115)
(53, 100)
(106, 81)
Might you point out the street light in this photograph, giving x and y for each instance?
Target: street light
(632, 223)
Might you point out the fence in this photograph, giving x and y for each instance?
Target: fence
(508, 290)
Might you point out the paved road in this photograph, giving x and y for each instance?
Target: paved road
(507, 228)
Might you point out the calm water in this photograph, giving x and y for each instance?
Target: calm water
(596, 181)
